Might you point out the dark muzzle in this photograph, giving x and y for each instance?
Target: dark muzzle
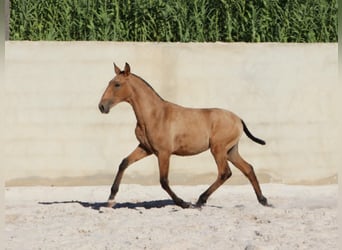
(104, 108)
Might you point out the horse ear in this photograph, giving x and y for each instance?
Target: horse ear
(127, 69)
(116, 69)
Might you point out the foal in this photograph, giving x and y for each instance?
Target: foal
(164, 128)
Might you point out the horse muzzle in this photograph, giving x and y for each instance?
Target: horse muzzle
(104, 107)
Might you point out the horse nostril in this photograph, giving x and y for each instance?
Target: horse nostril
(101, 107)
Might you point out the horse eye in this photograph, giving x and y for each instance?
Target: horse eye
(117, 85)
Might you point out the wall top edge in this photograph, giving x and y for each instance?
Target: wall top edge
(171, 43)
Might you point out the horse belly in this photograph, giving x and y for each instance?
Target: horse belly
(190, 144)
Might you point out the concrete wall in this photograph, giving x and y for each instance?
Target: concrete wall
(286, 93)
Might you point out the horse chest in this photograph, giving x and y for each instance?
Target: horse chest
(141, 134)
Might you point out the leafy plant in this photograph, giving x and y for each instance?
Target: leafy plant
(175, 21)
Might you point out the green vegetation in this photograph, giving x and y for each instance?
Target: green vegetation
(175, 21)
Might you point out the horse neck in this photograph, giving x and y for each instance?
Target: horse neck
(145, 102)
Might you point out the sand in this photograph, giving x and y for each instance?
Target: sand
(303, 217)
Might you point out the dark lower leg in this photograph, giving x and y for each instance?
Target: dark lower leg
(219, 181)
(254, 181)
(178, 201)
(164, 161)
(248, 171)
(136, 155)
(117, 180)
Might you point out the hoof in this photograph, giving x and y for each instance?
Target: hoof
(201, 202)
(111, 203)
(184, 204)
(199, 205)
(263, 201)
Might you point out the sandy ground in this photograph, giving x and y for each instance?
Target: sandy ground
(303, 217)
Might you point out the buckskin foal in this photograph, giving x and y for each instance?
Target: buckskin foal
(164, 128)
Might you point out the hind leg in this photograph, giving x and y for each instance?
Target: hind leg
(247, 170)
(224, 173)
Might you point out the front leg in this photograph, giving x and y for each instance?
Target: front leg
(164, 161)
(139, 153)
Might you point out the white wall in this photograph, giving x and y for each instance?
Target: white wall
(286, 93)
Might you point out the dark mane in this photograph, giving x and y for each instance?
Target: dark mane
(148, 85)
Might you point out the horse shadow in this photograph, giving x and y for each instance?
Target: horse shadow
(130, 205)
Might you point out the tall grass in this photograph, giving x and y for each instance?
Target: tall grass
(175, 21)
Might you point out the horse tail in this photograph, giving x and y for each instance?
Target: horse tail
(249, 134)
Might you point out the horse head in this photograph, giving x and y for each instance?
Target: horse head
(118, 89)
